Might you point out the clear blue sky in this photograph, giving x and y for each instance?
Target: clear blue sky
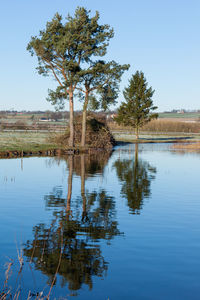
(159, 37)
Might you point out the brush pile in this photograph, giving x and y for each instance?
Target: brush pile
(98, 135)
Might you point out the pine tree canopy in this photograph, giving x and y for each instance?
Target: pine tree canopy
(101, 79)
(63, 50)
(138, 107)
(62, 47)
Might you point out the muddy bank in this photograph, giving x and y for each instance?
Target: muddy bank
(54, 152)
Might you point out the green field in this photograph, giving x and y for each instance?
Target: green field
(26, 141)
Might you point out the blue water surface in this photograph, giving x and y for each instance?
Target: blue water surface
(114, 225)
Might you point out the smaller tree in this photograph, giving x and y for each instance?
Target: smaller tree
(138, 108)
(102, 78)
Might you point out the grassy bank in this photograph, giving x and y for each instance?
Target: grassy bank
(149, 137)
(25, 141)
(154, 138)
(30, 141)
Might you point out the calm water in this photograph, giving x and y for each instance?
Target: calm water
(127, 224)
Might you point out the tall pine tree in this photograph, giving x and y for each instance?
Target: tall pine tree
(61, 49)
(138, 108)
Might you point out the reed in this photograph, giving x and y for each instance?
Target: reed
(9, 293)
(162, 126)
(188, 146)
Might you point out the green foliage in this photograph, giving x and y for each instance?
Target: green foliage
(57, 97)
(138, 108)
(62, 47)
(136, 176)
(93, 103)
(101, 81)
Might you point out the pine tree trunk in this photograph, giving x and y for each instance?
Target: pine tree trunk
(69, 191)
(136, 164)
(84, 120)
(137, 132)
(71, 118)
(136, 155)
(84, 212)
(82, 174)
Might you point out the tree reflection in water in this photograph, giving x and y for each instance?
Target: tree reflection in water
(136, 176)
(71, 242)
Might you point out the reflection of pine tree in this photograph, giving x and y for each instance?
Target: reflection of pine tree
(136, 176)
(80, 260)
(81, 254)
(101, 223)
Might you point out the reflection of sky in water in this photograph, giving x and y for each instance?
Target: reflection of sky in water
(158, 255)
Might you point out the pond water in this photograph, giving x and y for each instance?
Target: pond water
(114, 225)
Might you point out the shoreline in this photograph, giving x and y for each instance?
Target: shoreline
(24, 144)
(52, 152)
(179, 143)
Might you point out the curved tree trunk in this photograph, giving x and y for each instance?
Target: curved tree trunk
(71, 118)
(84, 119)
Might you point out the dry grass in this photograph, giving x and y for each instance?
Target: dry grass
(188, 146)
(172, 126)
(9, 293)
(163, 126)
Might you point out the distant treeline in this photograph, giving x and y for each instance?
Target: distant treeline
(48, 114)
(66, 113)
(181, 111)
